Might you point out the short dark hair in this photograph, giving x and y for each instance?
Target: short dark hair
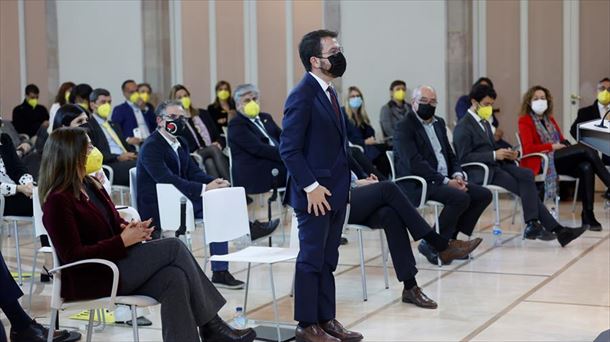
(481, 91)
(483, 79)
(32, 89)
(65, 114)
(311, 45)
(397, 83)
(82, 90)
(125, 83)
(145, 85)
(96, 93)
(605, 79)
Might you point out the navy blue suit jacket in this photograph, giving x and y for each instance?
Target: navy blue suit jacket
(124, 116)
(158, 163)
(252, 155)
(313, 145)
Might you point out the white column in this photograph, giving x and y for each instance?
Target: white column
(289, 46)
(175, 33)
(250, 42)
(479, 38)
(23, 71)
(523, 46)
(571, 60)
(213, 54)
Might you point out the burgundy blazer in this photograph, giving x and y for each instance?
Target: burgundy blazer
(79, 231)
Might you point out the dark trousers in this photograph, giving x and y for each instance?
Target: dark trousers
(216, 164)
(166, 270)
(461, 209)
(582, 162)
(314, 289)
(365, 164)
(18, 205)
(520, 181)
(383, 205)
(121, 171)
(10, 290)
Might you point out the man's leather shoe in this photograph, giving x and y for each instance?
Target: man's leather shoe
(534, 230)
(458, 249)
(566, 235)
(313, 333)
(259, 229)
(335, 329)
(415, 296)
(218, 330)
(37, 333)
(428, 251)
(590, 222)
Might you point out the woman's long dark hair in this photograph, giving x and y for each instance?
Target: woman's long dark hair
(65, 114)
(61, 93)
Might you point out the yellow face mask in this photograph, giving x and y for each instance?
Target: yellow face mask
(84, 105)
(603, 97)
(399, 95)
(134, 97)
(252, 109)
(145, 96)
(67, 96)
(223, 94)
(104, 110)
(485, 112)
(33, 102)
(186, 102)
(94, 162)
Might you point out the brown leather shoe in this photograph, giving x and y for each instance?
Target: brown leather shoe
(458, 249)
(417, 297)
(313, 333)
(335, 329)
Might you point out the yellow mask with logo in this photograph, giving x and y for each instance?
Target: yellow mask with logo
(94, 162)
(223, 94)
(33, 102)
(145, 96)
(603, 97)
(485, 112)
(399, 95)
(186, 102)
(104, 110)
(252, 109)
(134, 97)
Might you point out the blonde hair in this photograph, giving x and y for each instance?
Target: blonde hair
(358, 117)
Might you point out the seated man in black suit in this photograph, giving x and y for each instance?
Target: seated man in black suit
(422, 149)
(108, 138)
(595, 111)
(254, 142)
(473, 141)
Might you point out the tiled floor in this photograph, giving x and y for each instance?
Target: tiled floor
(520, 291)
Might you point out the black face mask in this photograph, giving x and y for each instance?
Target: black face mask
(175, 127)
(338, 64)
(425, 111)
(86, 127)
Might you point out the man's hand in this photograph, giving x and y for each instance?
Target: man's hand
(457, 184)
(316, 201)
(26, 189)
(134, 141)
(372, 177)
(505, 153)
(24, 148)
(370, 141)
(558, 147)
(127, 156)
(217, 144)
(217, 183)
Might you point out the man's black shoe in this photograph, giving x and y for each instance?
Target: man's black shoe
(262, 229)
(224, 279)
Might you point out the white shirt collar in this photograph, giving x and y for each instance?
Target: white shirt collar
(322, 83)
(174, 144)
(602, 109)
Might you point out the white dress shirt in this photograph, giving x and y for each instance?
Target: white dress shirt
(602, 109)
(144, 132)
(261, 127)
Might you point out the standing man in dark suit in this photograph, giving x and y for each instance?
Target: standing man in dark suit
(107, 137)
(595, 111)
(313, 146)
(136, 124)
(254, 139)
(164, 158)
(474, 142)
(422, 149)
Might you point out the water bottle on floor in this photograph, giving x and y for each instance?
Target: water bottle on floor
(497, 232)
(239, 319)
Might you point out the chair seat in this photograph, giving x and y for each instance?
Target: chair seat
(257, 254)
(359, 227)
(18, 218)
(138, 300)
(433, 203)
(566, 178)
(539, 178)
(104, 302)
(46, 249)
(497, 188)
(120, 188)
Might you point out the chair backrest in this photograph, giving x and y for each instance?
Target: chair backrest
(228, 149)
(109, 173)
(520, 147)
(294, 232)
(39, 228)
(1, 208)
(168, 199)
(225, 214)
(390, 155)
(133, 188)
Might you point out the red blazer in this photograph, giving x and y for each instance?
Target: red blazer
(79, 231)
(531, 143)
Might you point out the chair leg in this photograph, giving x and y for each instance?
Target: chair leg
(90, 325)
(496, 199)
(54, 314)
(18, 251)
(134, 323)
(32, 279)
(293, 280)
(362, 270)
(438, 231)
(514, 210)
(276, 314)
(575, 195)
(247, 287)
(384, 258)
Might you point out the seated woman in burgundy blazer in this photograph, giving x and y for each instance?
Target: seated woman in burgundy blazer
(82, 223)
(539, 132)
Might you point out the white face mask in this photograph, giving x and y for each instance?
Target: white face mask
(539, 106)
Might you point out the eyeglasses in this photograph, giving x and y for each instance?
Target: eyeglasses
(172, 116)
(332, 52)
(425, 100)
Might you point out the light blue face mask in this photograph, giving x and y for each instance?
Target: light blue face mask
(355, 102)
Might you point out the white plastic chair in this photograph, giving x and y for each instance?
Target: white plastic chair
(133, 187)
(226, 218)
(168, 199)
(121, 189)
(12, 221)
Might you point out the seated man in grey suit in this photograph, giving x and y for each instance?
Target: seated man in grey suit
(473, 141)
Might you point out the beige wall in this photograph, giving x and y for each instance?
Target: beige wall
(503, 61)
(594, 46)
(196, 51)
(36, 49)
(230, 41)
(10, 83)
(307, 16)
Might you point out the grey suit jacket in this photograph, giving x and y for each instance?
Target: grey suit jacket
(472, 145)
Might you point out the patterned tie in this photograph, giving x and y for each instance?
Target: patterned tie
(333, 100)
(113, 135)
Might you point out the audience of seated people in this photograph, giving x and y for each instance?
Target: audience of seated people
(136, 119)
(30, 115)
(80, 96)
(361, 133)
(162, 269)
(539, 132)
(474, 142)
(202, 135)
(61, 98)
(421, 148)
(253, 139)
(393, 111)
(222, 109)
(145, 91)
(16, 183)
